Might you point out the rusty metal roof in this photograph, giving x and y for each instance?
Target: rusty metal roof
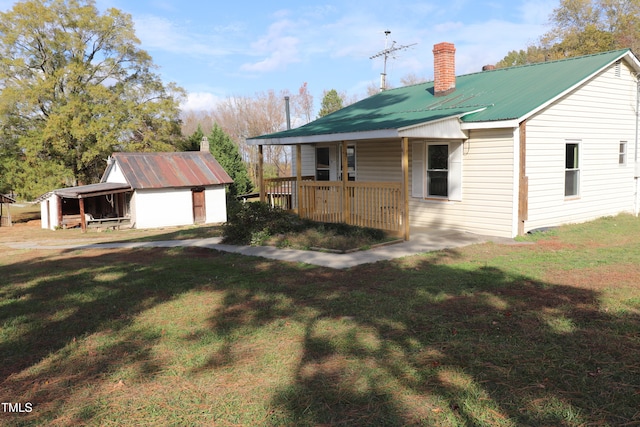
(166, 170)
(6, 199)
(92, 190)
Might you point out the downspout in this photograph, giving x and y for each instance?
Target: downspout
(635, 152)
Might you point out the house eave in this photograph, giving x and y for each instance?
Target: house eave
(445, 128)
(448, 128)
(633, 61)
(331, 137)
(497, 124)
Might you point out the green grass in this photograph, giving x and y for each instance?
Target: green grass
(487, 335)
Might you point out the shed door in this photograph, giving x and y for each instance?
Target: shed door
(199, 212)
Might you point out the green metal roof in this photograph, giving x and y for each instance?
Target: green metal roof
(501, 94)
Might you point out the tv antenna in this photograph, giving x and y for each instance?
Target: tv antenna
(386, 53)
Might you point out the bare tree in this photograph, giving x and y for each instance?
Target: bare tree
(245, 117)
(192, 119)
(303, 104)
(412, 79)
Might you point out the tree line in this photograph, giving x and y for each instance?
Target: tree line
(583, 27)
(75, 87)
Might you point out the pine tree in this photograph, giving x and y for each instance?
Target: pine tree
(331, 102)
(227, 154)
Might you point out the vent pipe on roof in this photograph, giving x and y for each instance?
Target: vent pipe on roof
(287, 112)
(444, 68)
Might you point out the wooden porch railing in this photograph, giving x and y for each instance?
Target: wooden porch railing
(280, 191)
(367, 204)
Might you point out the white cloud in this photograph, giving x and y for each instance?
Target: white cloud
(200, 101)
(537, 11)
(164, 35)
(278, 45)
(450, 26)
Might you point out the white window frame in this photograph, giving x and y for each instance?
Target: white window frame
(432, 171)
(419, 164)
(574, 170)
(622, 153)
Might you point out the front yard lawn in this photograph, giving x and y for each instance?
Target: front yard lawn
(486, 335)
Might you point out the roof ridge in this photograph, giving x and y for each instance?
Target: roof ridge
(533, 64)
(554, 61)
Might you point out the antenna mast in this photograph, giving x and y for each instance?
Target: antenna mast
(386, 53)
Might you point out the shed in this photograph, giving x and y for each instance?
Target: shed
(144, 190)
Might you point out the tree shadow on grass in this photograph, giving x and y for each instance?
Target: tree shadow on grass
(52, 302)
(436, 344)
(392, 343)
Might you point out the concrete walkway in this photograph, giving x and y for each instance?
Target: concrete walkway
(420, 242)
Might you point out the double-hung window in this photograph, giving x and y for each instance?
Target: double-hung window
(322, 164)
(436, 170)
(572, 169)
(622, 153)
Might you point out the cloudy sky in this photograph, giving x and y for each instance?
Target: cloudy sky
(215, 49)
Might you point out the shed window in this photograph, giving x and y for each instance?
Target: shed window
(572, 169)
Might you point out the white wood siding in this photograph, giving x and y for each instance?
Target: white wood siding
(487, 189)
(115, 174)
(163, 208)
(174, 206)
(600, 115)
(52, 214)
(215, 204)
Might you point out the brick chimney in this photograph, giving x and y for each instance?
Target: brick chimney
(204, 144)
(444, 68)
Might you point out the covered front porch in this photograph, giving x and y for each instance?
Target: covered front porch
(103, 205)
(376, 204)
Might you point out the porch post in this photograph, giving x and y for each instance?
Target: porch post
(261, 174)
(405, 187)
(59, 200)
(346, 211)
(298, 176)
(83, 221)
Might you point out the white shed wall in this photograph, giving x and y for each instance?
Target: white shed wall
(51, 215)
(215, 204)
(174, 207)
(115, 174)
(599, 115)
(162, 208)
